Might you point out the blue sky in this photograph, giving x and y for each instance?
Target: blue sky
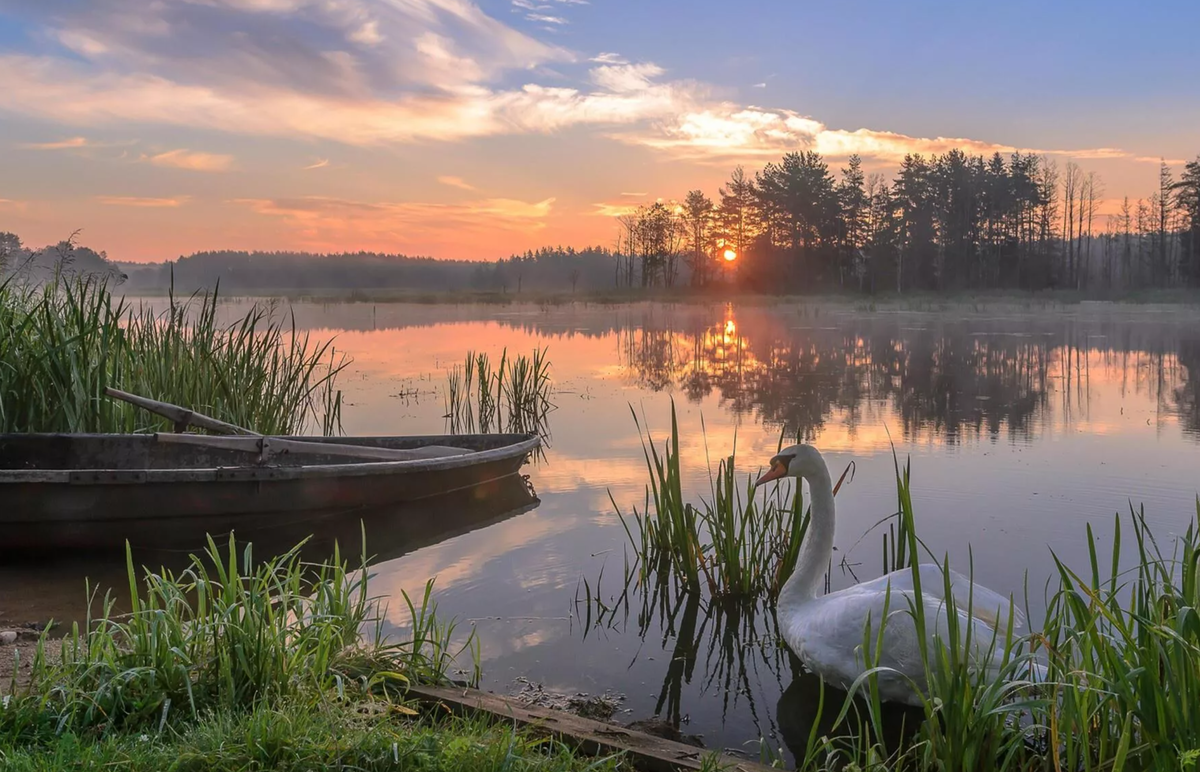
(466, 129)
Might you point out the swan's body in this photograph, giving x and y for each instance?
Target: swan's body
(827, 631)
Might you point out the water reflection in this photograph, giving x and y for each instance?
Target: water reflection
(955, 379)
(808, 709)
(954, 375)
(39, 587)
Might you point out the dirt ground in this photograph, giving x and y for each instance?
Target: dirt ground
(16, 658)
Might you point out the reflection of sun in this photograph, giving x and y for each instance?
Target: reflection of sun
(730, 255)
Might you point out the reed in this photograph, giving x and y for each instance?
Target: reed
(513, 395)
(226, 633)
(738, 544)
(62, 343)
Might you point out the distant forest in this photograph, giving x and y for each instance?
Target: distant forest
(945, 223)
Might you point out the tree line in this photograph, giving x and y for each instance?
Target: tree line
(945, 222)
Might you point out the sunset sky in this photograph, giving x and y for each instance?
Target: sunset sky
(471, 130)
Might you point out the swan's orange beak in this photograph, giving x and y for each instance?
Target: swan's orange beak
(776, 471)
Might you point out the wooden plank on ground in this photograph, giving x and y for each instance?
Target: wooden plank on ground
(590, 737)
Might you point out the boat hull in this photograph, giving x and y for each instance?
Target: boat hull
(92, 490)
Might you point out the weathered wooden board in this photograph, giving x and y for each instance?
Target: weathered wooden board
(592, 738)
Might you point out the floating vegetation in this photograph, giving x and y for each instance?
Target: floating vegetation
(512, 395)
(63, 342)
(225, 634)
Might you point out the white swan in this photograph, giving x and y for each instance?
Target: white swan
(826, 632)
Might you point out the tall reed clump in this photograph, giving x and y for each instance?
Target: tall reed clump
(513, 395)
(63, 342)
(223, 634)
(736, 545)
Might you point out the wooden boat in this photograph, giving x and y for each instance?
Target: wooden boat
(81, 490)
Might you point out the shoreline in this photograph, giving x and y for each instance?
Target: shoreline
(917, 301)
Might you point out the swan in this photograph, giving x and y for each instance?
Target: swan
(826, 631)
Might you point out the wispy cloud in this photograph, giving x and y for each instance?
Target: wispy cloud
(618, 209)
(759, 85)
(720, 133)
(192, 160)
(64, 144)
(326, 221)
(141, 202)
(64, 91)
(366, 73)
(320, 163)
(635, 195)
(455, 182)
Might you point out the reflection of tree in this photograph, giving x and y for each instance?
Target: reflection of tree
(955, 379)
(1187, 394)
(736, 643)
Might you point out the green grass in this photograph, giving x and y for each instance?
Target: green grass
(512, 395)
(304, 736)
(228, 632)
(62, 343)
(244, 664)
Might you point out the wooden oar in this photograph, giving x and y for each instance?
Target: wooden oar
(182, 416)
(269, 446)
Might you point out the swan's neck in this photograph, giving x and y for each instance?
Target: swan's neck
(809, 577)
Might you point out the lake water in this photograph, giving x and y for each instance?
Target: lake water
(1022, 426)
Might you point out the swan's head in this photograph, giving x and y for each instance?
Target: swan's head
(795, 461)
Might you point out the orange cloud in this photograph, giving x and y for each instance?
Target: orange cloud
(614, 210)
(193, 161)
(725, 132)
(66, 144)
(330, 221)
(455, 182)
(142, 202)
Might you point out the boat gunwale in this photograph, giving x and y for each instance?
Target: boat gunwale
(236, 474)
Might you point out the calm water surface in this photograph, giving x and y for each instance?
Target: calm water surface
(1022, 427)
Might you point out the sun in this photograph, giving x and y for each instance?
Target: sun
(730, 255)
